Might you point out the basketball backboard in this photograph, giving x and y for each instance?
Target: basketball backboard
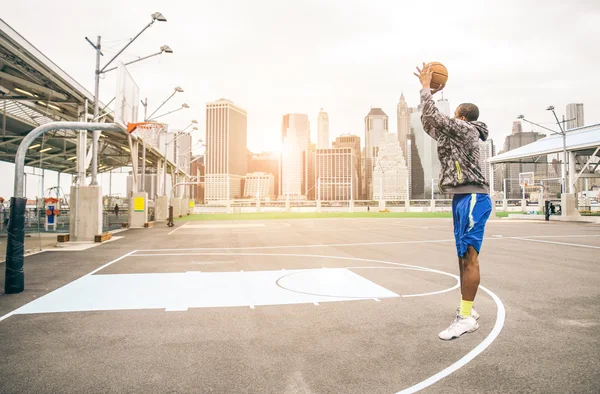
(127, 98)
(526, 179)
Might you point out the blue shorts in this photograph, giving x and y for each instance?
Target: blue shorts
(470, 213)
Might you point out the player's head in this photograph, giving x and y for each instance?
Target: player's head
(467, 112)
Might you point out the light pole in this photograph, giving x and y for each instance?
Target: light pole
(157, 16)
(163, 49)
(177, 89)
(564, 138)
(183, 106)
(191, 124)
(554, 132)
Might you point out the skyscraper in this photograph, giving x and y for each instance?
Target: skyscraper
(336, 174)
(487, 150)
(416, 168)
(353, 142)
(511, 171)
(376, 125)
(427, 151)
(403, 122)
(226, 154)
(323, 130)
(294, 166)
(517, 127)
(390, 173)
(575, 112)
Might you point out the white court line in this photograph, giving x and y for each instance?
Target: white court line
(9, 314)
(302, 246)
(397, 265)
(500, 318)
(180, 227)
(556, 236)
(355, 244)
(557, 243)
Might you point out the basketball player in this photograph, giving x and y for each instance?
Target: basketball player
(461, 176)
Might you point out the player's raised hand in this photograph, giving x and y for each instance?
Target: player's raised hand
(425, 74)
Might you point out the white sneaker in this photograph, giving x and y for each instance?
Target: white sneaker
(459, 326)
(474, 313)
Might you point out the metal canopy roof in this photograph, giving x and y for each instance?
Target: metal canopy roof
(35, 91)
(583, 140)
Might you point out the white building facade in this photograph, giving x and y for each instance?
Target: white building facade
(376, 125)
(226, 154)
(259, 185)
(337, 177)
(575, 116)
(390, 175)
(486, 152)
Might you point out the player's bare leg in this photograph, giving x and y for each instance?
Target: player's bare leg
(470, 275)
(466, 320)
(461, 271)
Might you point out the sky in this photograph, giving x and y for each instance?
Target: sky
(274, 57)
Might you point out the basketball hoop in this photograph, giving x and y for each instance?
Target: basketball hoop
(526, 179)
(131, 127)
(147, 131)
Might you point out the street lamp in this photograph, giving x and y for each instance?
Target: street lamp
(183, 106)
(188, 126)
(564, 135)
(157, 16)
(554, 132)
(177, 89)
(163, 49)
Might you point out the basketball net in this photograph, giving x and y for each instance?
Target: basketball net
(147, 131)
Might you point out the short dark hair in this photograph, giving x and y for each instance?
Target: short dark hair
(469, 111)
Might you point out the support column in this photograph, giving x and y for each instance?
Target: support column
(176, 204)
(572, 173)
(162, 208)
(143, 167)
(138, 209)
(493, 196)
(86, 212)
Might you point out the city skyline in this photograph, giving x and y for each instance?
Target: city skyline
(326, 67)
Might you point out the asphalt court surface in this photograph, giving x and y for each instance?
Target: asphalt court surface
(307, 306)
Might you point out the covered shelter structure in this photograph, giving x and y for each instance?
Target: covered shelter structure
(40, 100)
(582, 147)
(34, 91)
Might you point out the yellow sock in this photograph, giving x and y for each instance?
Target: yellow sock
(465, 308)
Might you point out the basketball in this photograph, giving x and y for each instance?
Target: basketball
(440, 74)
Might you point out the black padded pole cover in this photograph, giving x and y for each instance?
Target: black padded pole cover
(15, 247)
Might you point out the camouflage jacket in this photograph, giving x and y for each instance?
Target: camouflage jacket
(458, 149)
